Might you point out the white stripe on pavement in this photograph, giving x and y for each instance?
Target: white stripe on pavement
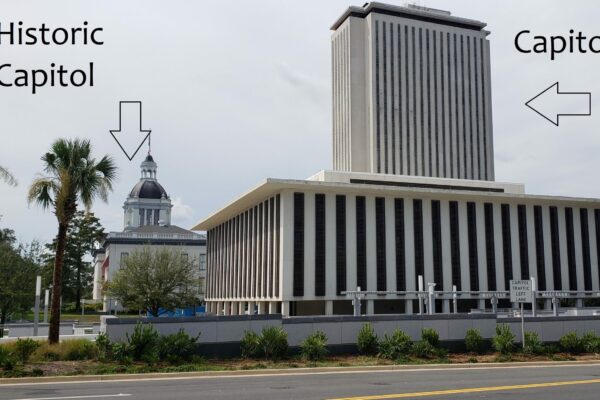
(97, 396)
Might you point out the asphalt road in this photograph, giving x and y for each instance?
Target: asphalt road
(581, 382)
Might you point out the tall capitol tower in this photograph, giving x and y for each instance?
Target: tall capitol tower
(411, 93)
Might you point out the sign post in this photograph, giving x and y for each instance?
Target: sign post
(36, 310)
(521, 291)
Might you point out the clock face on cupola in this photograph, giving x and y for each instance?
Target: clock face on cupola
(148, 202)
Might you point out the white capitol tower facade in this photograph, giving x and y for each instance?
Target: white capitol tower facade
(412, 192)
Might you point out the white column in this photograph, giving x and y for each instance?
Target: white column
(251, 308)
(261, 307)
(285, 308)
(227, 308)
(234, 307)
(370, 307)
(328, 307)
(272, 307)
(219, 308)
(241, 307)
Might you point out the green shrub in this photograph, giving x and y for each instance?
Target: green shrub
(250, 344)
(533, 344)
(504, 340)
(24, 348)
(431, 336)
(121, 353)
(78, 349)
(396, 346)
(143, 343)
(571, 343)
(7, 360)
(103, 346)
(423, 349)
(314, 347)
(367, 341)
(177, 347)
(273, 342)
(474, 341)
(590, 342)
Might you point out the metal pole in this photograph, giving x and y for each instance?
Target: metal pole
(431, 300)
(420, 295)
(533, 303)
(454, 299)
(522, 326)
(356, 302)
(36, 310)
(46, 300)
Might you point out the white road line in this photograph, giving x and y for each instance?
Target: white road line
(274, 375)
(98, 396)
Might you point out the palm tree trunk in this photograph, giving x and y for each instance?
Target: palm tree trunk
(61, 240)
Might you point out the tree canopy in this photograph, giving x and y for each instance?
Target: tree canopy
(154, 280)
(18, 270)
(83, 236)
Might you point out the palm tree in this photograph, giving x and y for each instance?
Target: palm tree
(72, 176)
(7, 176)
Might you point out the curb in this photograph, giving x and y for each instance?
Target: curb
(283, 371)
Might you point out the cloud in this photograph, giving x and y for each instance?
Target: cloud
(311, 87)
(181, 212)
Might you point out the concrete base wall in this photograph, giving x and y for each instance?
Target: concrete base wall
(343, 330)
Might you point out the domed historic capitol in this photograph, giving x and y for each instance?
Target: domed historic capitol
(147, 224)
(411, 213)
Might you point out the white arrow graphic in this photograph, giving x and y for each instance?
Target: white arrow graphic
(552, 104)
(130, 132)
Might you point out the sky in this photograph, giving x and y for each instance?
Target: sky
(238, 91)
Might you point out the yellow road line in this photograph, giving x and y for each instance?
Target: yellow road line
(471, 390)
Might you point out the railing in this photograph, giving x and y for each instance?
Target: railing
(136, 235)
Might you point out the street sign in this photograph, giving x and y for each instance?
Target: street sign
(521, 291)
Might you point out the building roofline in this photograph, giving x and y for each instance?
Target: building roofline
(416, 13)
(272, 186)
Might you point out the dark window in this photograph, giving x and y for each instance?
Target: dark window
(361, 243)
(507, 246)
(585, 247)
(298, 244)
(555, 239)
(340, 242)
(319, 245)
(523, 245)
(380, 243)
(597, 218)
(377, 90)
(571, 249)
(490, 246)
(277, 242)
(455, 245)
(436, 230)
(473, 254)
(539, 248)
(418, 229)
(400, 249)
